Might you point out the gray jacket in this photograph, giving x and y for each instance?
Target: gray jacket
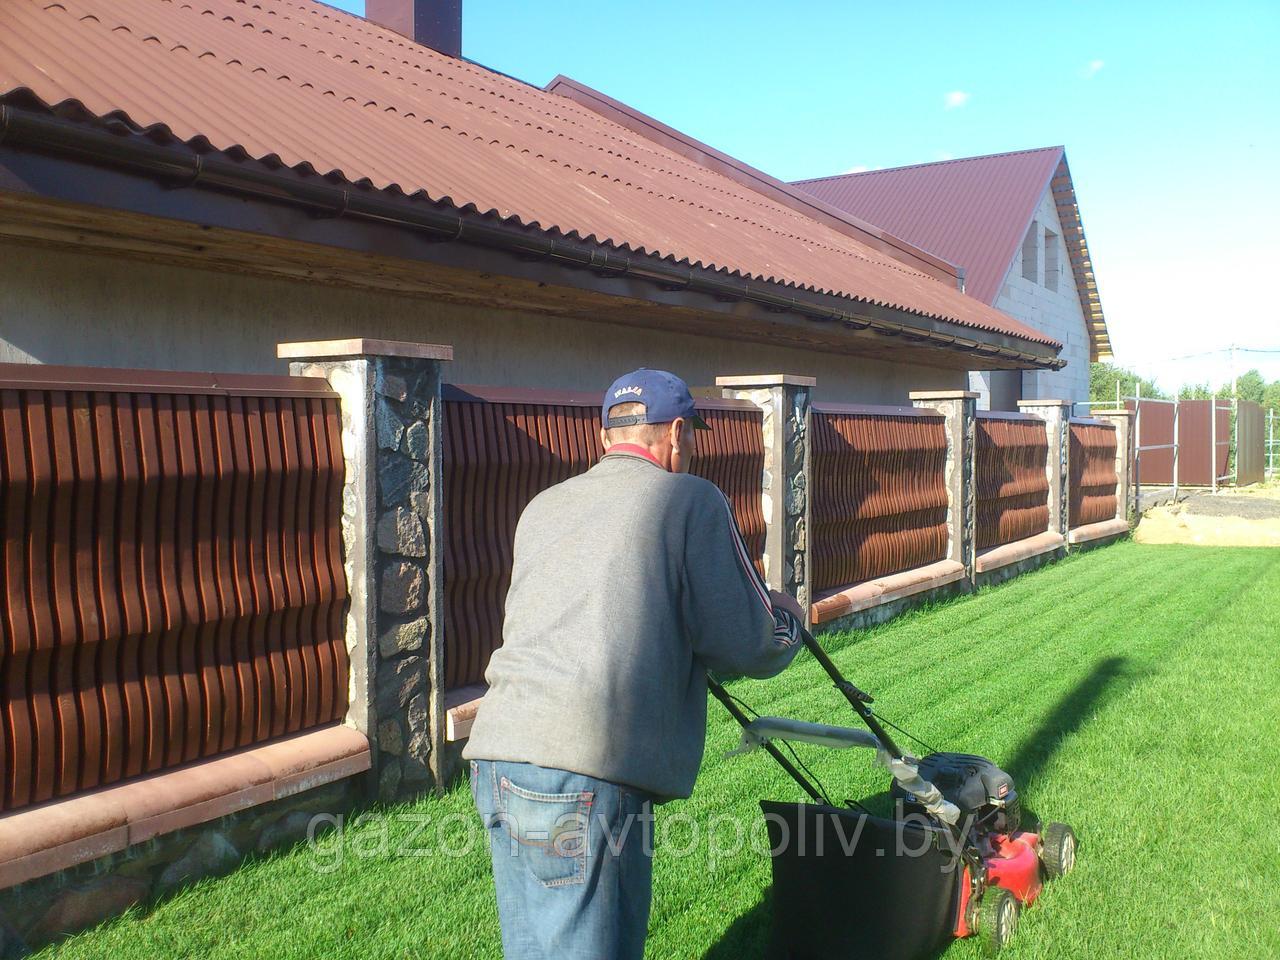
(628, 584)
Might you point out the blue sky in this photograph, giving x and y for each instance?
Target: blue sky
(1170, 113)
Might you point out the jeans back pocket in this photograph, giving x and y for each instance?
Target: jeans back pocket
(550, 832)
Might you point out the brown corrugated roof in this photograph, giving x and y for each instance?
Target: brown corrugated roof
(974, 212)
(310, 87)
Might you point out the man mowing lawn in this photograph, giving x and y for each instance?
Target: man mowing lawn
(629, 582)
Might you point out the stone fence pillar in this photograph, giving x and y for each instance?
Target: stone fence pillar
(1056, 415)
(1126, 489)
(785, 400)
(391, 503)
(959, 408)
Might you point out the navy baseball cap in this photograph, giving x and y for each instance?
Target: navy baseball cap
(664, 395)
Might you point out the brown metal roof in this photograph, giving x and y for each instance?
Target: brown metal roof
(974, 212)
(312, 88)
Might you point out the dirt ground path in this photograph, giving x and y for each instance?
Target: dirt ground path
(1249, 517)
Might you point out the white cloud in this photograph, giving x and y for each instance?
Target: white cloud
(944, 155)
(954, 99)
(857, 169)
(1091, 68)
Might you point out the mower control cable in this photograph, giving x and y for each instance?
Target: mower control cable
(906, 733)
(857, 699)
(726, 698)
(826, 796)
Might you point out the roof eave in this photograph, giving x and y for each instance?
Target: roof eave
(179, 166)
(1064, 198)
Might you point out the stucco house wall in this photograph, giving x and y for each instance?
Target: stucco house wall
(1055, 312)
(66, 307)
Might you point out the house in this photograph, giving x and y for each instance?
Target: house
(1011, 221)
(182, 186)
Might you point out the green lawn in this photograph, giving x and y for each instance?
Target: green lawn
(1132, 691)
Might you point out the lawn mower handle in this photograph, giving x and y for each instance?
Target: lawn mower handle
(857, 699)
(771, 748)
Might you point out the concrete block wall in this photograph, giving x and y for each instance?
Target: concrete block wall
(71, 308)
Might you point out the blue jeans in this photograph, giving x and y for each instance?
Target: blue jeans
(572, 861)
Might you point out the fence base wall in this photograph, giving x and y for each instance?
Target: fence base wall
(49, 907)
(886, 610)
(1013, 559)
(874, 601)
(1097, 534)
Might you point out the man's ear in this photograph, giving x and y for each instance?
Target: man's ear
(676, 431)
(604, 438)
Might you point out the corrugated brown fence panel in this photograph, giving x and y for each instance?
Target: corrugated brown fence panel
(1196, 465)
(1155, 429)
(732, 457)
(1011, 478)
(160, 549)
(1092, 493)
(879, 496)
(504, 446)
(1250, 442)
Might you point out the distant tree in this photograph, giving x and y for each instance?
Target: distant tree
(1271, 397)
(1251, 386)
(1198, 391)
(1102, 383)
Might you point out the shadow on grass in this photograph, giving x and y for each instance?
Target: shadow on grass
(1102, 684)
(748, 937)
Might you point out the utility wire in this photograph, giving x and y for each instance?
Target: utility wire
(1209, 353)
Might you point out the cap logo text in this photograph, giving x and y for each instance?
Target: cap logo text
(622, 391)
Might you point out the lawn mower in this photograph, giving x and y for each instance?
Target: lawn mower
(954, 861)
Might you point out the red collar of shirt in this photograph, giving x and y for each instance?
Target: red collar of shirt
(636, 451)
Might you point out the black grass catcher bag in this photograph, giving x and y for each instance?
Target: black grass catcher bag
(850, 885)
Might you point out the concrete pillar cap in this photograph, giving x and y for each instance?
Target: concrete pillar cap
(767, 380)
(362, 347)
(943, 395)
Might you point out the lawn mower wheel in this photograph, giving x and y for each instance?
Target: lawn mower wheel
(997, 919)
(1058, 850)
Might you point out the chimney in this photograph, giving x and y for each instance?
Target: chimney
(433, 23)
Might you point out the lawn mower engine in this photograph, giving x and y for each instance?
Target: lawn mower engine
(1011, 864)
(984, 793)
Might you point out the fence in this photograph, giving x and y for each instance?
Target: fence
(1181, 444)
(1012, 484)
(502, 447)
(1093, 472)
(1272, 444)
(879, 499)
(172, 571)
(196, 564)
(1250, 443)
(1160, 433)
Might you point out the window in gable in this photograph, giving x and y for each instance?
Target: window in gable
(1031, 254)
(1051, 261)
